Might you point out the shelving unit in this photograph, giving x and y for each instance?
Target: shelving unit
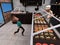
(7, 15)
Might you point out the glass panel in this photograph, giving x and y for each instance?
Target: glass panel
(1, 18)
(6, 7)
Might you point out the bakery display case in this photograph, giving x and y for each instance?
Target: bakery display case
(41, 33)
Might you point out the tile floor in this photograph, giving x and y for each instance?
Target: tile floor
(8, 38)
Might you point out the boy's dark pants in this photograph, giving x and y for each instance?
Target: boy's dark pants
(19, 29)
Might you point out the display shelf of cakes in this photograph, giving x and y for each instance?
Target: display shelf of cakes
(39, 23)
(48, 37)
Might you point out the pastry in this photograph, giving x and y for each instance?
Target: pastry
(44, 22)
(41, 22)
(46, 34)
(38, 44)
(47, 37)
(40, 27)
(37, 36)
(42, 19)
(54, 38)
(51, 31)
(44, 44)
(41, 33)
(43, 27)
(36, 28)
(51, 34)
(42, 37)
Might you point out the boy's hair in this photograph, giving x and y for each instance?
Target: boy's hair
(48, 7)
(14, 18)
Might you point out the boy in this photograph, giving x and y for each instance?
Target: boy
(19, 24)
(48, 9)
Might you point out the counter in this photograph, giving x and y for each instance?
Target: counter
(48, 37)
(24, 17)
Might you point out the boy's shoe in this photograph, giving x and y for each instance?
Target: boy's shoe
(22, 34)
(14, 33)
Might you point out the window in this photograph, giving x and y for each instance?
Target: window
(6, 7)
(1, 17)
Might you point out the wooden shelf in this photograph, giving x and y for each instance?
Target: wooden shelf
(7, 16)
(5, 0)
(2, 0)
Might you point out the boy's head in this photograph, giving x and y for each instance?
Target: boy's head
(15, 18)
(48, 7)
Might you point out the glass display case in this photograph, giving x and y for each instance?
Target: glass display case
(43, 33)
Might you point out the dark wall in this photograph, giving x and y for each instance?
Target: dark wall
(56, 9)
(31, 2)
(54, 1)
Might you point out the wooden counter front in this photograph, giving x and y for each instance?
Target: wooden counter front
(25, 18)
